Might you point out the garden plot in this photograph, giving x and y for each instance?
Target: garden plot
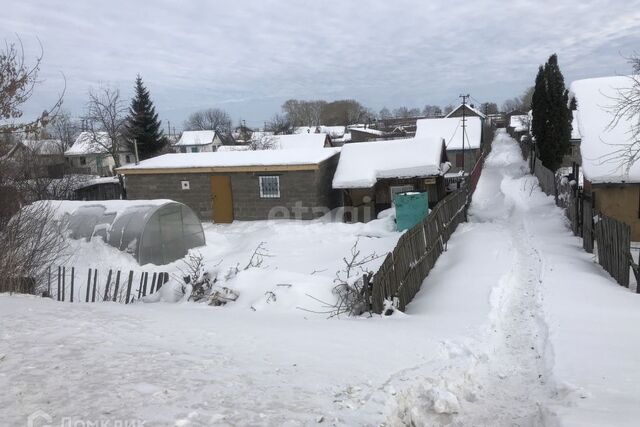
(270, 264)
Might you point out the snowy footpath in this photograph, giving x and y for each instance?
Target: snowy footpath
(516, 325)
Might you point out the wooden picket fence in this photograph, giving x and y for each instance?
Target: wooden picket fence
(63, 285)
(404, 269)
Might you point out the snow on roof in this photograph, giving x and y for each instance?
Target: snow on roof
(85, 144)
(369, 131)
(99, 180)
(475, 110)
(234, 159)
(519, 123)
(362, 164)
(300, 140)
(229, 148)
(451, 130)
(601, 142)
(196, 137)
(332, 131)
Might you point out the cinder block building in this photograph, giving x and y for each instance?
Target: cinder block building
(240, 185)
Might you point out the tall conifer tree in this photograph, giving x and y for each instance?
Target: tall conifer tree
(143, 127)
(551, 115)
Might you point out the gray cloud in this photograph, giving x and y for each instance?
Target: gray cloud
(249, 56)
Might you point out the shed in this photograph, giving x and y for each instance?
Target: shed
(152, 231)
(105, 188)
(463, 149)
(241, 185)
(371, 173)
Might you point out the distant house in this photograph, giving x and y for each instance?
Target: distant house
(367, 134)
(200, 141)
(369, 174)
(574, 155)
(86, 156)
(463, 149)
(240, 185)
(612, 182)
(469, 111)
(48, 152)
(519, 126)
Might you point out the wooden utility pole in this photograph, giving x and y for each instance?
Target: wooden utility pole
(464, 128)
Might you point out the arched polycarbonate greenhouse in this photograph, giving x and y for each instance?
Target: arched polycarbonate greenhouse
(153, 231)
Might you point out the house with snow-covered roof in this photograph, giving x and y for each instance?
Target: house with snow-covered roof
(200, 141)
(463, 148)
(90, 154)
(370, 174)
(241, 185)
(610, 179)
(468, 110)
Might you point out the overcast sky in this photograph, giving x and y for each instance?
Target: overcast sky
(249, 56)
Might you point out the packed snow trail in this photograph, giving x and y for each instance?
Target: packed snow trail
(501, 378)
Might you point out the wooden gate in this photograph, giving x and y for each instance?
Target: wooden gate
(221, 199)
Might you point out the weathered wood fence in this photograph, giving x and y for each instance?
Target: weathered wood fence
(405, 268)
(63, 284)
(614, 248)
(610, 238)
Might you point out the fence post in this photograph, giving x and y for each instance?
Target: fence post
(144, 286)
(106, 288)
(126, 300)
(153, 283)
(95, 280)
(73, 274)
(115, 291)
(49, 281)
(140, 285)
(367, 291)
(88, 285)
(64, 277)
(59, 281)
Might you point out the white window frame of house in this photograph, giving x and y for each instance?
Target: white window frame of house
(194, 149)
(396, 189)
(269, 194)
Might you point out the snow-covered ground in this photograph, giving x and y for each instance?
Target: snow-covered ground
(303, 254)
(515, 325)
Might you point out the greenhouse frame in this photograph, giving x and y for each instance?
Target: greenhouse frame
(152, 231)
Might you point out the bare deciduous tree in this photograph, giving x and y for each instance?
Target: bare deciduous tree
(626, 108)
(262, 142)
(17, 82)
(106, 117)
(279, 125)
(30, 241)
(209, 119)
(64, 129)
